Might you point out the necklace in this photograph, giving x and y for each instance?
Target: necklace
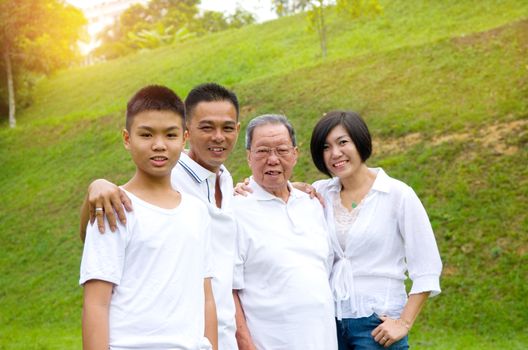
(354, 205)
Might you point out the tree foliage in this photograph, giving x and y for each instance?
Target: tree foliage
(288, 7)
(36, 36)
(163, 22)
(316, 12)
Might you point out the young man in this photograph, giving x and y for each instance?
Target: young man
(212, 129)
(149, 286)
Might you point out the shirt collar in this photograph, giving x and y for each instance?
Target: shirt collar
(261, 194)
(381, 183)
(195, 170)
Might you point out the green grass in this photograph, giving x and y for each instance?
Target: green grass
(262, 51)
(443, 86)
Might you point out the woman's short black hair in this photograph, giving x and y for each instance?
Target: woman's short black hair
(357, 130)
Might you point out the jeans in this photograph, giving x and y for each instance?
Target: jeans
(355, 334)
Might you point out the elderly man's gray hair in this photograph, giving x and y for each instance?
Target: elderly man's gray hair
(268, 119)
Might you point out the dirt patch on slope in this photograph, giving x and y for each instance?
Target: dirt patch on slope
(493, 136)
(489, 35)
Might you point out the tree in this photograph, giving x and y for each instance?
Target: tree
(158, 36)
(159, 23)
(163, 22)
(240, 18)
(176, 13)
(210, 22)
(287, 7)
(36, 36)
(316, 12)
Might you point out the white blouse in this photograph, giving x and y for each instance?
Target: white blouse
(390, 238)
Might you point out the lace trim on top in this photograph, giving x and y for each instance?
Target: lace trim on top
(344, 218)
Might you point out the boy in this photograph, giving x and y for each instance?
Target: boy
(149, 286)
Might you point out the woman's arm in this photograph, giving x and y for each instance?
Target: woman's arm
(392, 330)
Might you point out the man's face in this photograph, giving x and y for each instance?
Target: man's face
(155, 141)
(272, 157)
(212, 132)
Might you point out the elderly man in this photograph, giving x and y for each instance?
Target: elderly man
(282, 296)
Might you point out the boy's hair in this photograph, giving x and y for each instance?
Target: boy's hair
(154, 98)
(209, 92)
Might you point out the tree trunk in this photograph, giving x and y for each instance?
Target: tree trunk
(323, 32)
(320, 25)
(10, 89)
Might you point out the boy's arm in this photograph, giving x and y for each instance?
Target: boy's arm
(109, 197)
(95, 329)
(243, 336)
(211, 322)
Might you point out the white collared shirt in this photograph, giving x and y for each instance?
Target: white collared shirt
(391, 235)
(283, 259)
(190, 177)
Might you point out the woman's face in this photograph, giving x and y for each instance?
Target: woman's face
(340, 154)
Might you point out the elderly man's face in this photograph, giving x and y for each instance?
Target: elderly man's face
(272, 157)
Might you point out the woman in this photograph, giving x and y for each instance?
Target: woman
(380, 232)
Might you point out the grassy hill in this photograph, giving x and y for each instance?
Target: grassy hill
(442, 84)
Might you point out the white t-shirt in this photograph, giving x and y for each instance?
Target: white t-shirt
(158, 263)
(390, 236)
(282, 269)
(190, 177)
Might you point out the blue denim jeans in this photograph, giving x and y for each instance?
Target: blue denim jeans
(355, 334)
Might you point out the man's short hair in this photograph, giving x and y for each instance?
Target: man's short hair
(268, 119)
(154, 98)
(209, 92)
(356, 128)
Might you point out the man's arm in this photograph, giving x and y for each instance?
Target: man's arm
(111, 199)
(95, 327)
(211, 322)
(243, 336)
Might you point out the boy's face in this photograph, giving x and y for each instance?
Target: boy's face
(212, 131)
(155, 141)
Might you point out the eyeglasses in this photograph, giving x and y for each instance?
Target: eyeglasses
(265, 152)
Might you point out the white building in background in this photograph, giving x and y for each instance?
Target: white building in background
(100, 14)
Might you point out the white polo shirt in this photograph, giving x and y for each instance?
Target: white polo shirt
(282, 269)
(157, 263)
(190, 177)
(391, 236)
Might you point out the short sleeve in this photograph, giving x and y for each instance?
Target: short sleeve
(240, 258)
(421, 251)
(104, 254)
